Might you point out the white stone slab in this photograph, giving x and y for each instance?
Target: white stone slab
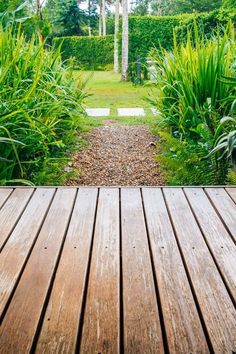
(98, 112)
(131, 112)
(155, 111)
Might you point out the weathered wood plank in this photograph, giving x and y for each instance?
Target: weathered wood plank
(142, 329)
(11, 211)
(27, 303)
(101, 319)
(216, 307)
(15, 252)
(232, 192)
(225, 207)
(4, 194)
(182, 324)
(61, 321)
(218, 239)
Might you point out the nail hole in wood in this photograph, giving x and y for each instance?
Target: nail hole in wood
(193, 248)
(74, 246)
(45, 248)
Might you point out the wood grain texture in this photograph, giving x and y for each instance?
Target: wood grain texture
(225, 207)
(27, 303)
(61, 321)
(183, 327)
(4, 194)
(15, 253)
(232, 192)
(216, 307)
(101, 318)
(117, 271)
(218, 239)
(11, 211)
(142, 329)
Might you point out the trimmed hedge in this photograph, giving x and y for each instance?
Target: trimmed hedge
(145, 33)
(206, 22)
(88, 52)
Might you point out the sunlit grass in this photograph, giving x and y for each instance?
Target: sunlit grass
(108, 91)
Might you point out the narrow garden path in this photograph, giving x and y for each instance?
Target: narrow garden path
(118, 155)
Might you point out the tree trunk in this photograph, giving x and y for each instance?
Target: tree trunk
(89, 14)
(104, 32)
(116, 37)
(38, 10)
(100, 18)
(125, 40)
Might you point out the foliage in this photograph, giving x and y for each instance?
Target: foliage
(147, 32)
(39, 104)
(225, 135)
(229, 4)
(140, 7)
(184, 163)
(67, 18)
(207, 23)
(192, 97)
(169, 7)
(88, 52)
(23, 13)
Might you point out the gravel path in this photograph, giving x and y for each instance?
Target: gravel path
(118, 155)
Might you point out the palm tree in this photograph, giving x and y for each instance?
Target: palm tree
(116, 37)
(125, 40)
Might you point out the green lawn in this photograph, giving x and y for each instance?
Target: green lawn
(108, 91)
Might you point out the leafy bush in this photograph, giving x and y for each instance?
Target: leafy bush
(39, 106)
(88, 52)
(207, 23)
(225, 135)
(147, 32)
(192, 97)
(229, 4)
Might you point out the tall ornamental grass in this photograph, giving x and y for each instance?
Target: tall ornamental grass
(40, 107)
(192, 97)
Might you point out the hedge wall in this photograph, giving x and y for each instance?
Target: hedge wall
(206, 22)
(145, 33)
(148, 32)
(88, 52)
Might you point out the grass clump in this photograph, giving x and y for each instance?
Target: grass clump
(192, 97)
(40, 108)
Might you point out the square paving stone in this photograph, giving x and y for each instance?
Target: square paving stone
(98, 112)
(131, 112)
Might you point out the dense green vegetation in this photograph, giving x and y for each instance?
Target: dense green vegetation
(145, 33)
(192, 98)
(89, 53)
(41, 95)
(40, 107)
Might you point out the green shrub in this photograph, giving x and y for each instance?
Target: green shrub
(40, 107)
(207, 23)
(192, 96)
(147, 32)
(88, 52)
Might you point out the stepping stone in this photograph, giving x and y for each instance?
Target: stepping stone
(155, 111)
(98, 112)
(131, 112)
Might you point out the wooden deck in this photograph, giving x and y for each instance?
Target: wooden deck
(110, 270)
